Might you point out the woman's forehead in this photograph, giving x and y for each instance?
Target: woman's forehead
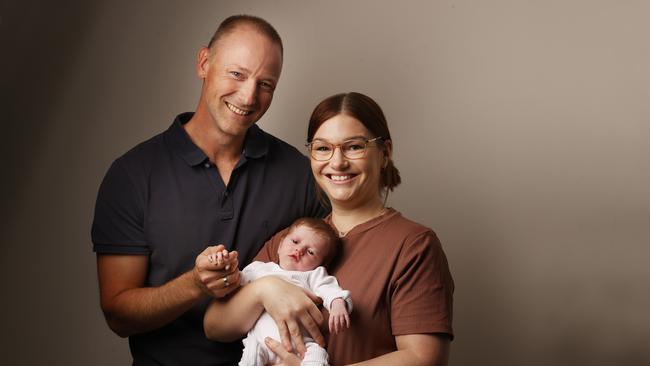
(341, 127)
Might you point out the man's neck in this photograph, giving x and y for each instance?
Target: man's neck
(222, 149)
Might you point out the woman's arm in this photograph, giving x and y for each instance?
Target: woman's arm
(415, 350)
(289, 305)
(412, 350)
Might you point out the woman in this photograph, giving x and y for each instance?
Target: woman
(394, 268)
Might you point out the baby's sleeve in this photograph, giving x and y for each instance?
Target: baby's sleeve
(327, 287)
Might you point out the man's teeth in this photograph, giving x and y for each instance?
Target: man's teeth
(340, 177)
(241, 112)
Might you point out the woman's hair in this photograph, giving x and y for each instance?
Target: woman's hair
(323, 229)
(368, 112)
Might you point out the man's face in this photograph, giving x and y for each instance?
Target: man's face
(240, 73)
(302, 249)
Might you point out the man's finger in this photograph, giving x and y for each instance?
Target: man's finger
(296, 338)
(317, 300)
(284, 335)
(311, 322)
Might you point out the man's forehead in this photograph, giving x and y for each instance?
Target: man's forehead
(244, 30)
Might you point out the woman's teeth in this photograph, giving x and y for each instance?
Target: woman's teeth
(340, 177)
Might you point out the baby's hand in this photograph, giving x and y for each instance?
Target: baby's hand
(221, 259)
(339, 317)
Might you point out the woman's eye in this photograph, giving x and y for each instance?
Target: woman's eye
(355, 146)
(236, 74)
(294, 241)
(323, 148)
(311, 252)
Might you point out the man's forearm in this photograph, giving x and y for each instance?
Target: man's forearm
(231, 318)
(139, 310)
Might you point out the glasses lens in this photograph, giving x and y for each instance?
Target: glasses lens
(321, 150)
(354, 149)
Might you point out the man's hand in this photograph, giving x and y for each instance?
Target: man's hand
(339, 317)
(216, 271)
(291, 306)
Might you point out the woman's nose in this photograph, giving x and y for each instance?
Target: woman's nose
(338, 160)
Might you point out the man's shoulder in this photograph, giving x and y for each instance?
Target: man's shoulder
(280, 149)
(141, 154)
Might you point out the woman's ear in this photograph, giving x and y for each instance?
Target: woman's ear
(203, 62)
(388, 152)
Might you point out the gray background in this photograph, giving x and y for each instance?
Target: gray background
(521, 128)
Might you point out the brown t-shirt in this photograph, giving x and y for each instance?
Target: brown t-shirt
(400, 283)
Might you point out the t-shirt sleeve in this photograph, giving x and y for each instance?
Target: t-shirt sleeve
(269, 252)
(422, 288)
(118, 225)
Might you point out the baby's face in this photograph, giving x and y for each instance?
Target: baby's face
(302, 249)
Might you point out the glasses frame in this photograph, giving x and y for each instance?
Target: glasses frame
(334, 146)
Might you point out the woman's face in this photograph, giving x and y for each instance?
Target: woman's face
(350, 183)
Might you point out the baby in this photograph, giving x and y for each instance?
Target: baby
(308, 245)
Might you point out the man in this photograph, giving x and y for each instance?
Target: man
(212, 177)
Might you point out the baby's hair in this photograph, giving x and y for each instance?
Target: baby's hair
(323, 229)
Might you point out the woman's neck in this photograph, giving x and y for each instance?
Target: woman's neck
(346, 218)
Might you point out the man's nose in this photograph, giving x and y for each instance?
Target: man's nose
(248, 93)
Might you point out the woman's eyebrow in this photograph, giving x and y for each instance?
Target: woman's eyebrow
(345, 139)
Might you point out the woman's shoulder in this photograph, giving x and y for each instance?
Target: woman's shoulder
(397, 222)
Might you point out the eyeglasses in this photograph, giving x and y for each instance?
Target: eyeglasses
(352, 149)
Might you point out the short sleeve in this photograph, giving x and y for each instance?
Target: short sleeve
(118, 225)
(422, 288)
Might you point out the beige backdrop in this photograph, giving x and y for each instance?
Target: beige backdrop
(521, 128)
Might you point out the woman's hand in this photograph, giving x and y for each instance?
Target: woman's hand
(285, 357)
(291, 306)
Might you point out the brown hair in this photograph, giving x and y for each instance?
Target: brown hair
(323, 229)
(233, 22)
(368, 112)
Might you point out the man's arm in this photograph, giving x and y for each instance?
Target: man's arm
(289, 305)
(130, 308)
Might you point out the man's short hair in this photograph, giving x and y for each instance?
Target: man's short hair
(231, 23)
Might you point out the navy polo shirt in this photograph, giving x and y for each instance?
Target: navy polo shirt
(165, 199)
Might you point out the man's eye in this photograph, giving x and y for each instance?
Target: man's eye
(236, 74)
(266, 85)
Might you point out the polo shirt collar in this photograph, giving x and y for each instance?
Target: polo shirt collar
(255, 143)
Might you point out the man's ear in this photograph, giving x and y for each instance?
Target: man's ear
(203, 62)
